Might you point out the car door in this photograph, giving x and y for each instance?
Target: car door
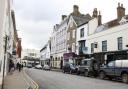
(82, 66)
(110, 68)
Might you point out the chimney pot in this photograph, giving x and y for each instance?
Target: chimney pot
(118, 4)
(121, 5)
(99, 12)
(120, 11)
(99, 19)
(95, 13)
(76, 10)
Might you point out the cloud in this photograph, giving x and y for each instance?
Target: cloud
(35, 18)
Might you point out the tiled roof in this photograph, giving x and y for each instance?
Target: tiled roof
(110, 24)
(81, 19)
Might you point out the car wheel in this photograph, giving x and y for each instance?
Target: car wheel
(125, 78)
(102, 75)
(86, 73)
(109, 77)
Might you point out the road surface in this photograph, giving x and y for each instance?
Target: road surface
(58, 80)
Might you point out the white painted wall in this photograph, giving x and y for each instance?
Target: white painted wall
(4, 30)
(45, 53)
(111, 36)
(92, 25)
(78, 38)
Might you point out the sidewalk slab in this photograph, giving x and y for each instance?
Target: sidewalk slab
(16, 81)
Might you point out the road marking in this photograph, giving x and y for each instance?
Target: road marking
(35, 84)
(25, 80)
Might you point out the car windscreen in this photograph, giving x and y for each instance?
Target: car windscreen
(85, 63)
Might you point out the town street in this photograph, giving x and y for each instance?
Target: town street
(59, 80)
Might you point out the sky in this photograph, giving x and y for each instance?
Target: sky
(35, 18)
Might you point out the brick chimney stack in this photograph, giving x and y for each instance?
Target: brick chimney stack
(63, 17)
(99, 19)
(120, 11)
(76, 11)
(95, 13)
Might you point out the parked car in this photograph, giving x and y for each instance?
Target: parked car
(89, 67)
(117, 68)
(29, 65)
(46, 67)
(38, 66)
(68, 67)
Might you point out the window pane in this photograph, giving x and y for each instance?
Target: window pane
(119, 43)
(82, 32)
(104, 45)
(92, 47)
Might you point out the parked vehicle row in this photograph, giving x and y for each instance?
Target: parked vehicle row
(44, 67)
(90, 67)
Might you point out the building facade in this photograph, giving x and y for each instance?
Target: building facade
(45, 55)
(58, 43)
(75, 20)
(81, 42)
(109, 41)
(7, 36)
(30, 56)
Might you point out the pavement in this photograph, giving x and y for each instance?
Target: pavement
(19, 80)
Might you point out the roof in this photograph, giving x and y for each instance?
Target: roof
(81, 19)
(107, 25)
(45, 46)
(112, 23)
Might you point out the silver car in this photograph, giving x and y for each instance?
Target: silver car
(46, 67)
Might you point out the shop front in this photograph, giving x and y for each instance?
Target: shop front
(106, 57)
(69, 58)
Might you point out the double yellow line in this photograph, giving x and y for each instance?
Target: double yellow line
(34, 83)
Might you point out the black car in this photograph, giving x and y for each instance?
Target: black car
(70, 68)
(89, 67)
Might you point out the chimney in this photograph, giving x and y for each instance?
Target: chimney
(63, 17)
(95, 13)
(99, 19)
(120, 11)
(76, 10)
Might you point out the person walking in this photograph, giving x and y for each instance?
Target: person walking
(19, 66)
(11, 65)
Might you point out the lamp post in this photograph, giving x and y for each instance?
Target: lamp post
(5, 49)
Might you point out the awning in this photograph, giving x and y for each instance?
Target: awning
(69, 55)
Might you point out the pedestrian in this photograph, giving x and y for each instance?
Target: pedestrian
(11, 65)
(22, 66)
(19, 67)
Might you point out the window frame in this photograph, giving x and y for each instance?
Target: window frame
(81, 32)
(92, 47)
(104, 46)
(120, 43)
